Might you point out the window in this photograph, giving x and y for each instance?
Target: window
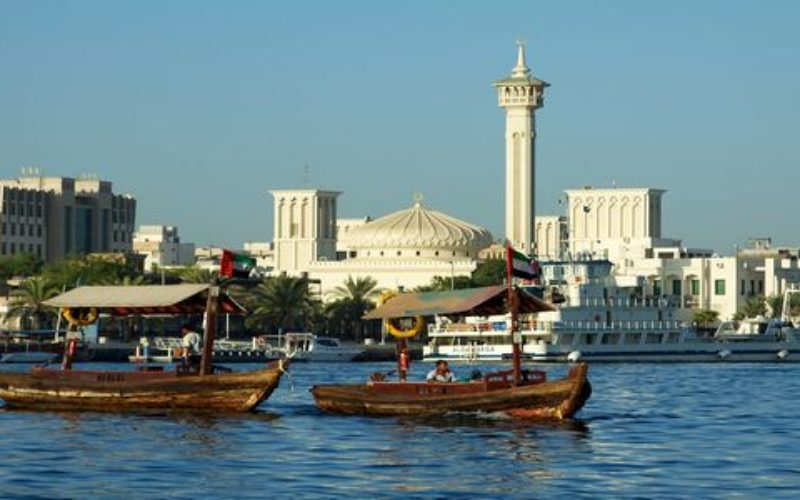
(13, 248)
(39, 231)
(4, 248)
(719, 287)
(38, 210)
(676, 287)
(39, 249)
(695, 287)
(30, 230)
(741, 288)
(13, 229)
(760, 286)
(656, 287)
(4, 228)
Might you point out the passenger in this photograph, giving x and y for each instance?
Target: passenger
(441, 373)
(191, 348)
(191, 339)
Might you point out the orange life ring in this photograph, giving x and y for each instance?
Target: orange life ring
(80, 316)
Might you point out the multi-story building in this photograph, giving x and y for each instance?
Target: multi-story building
(162, 247)
(53, 217)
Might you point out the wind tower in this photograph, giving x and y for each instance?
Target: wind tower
(520, 94)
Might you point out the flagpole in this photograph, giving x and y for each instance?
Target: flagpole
(514, 307)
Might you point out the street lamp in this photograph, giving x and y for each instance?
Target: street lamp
(452, 275)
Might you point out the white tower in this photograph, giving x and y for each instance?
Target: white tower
(520, 94)
(305, 228)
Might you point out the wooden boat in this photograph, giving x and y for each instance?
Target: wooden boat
(533, 398)
(190, 387)
(55, 389)
(516, 392)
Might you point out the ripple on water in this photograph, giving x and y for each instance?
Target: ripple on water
(649, 430)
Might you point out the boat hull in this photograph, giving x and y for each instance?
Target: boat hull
(558, 399)
(48, 389)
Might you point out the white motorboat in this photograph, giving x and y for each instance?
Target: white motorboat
(310, 347)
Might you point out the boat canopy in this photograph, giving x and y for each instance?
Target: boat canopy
(145, 299)
(483, 301)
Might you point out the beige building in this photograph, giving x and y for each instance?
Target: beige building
(305, 228)
(53, 217)
(162, 247)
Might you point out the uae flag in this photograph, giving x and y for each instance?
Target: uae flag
(520, 265)
(236, 265)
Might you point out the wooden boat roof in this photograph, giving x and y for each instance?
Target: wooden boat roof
(144, 299)
(483, 301)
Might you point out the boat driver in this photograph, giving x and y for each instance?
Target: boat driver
(191, 339)
(441, 373)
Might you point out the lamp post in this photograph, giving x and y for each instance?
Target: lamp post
(452, 275)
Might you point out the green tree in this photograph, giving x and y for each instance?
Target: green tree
(28, 302)
(489, 272)
(350, 302)
(20, 264)
(282, 302)
(87, 270)
(196, 274)
(775, 304)
(755, 306)
(705, 317)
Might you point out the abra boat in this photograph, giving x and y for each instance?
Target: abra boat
(517, 392)
(191, 387)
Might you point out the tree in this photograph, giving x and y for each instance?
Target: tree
(489, 272)
(284, 302)
(28, 302)
(704, 317)
(755, 306)
(196, 274)
(351, 301)
(20, 264)
(87, 270)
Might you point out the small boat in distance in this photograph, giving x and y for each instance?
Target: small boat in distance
(310, 347)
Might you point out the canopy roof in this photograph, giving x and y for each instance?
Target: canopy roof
(469, 301)
(146, 299)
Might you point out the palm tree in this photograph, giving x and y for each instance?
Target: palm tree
(350, 302)
(28, 301)
(195, 274)
(284, 302)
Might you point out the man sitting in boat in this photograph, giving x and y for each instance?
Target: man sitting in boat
(441, 373)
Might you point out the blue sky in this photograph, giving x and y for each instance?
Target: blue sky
(199, 108)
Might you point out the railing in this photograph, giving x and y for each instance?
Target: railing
(548, 327)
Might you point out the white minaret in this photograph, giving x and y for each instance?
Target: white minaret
(520, 94)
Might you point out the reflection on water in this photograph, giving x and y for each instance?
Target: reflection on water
(649, 430)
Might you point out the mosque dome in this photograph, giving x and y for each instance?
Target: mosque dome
(417, 231)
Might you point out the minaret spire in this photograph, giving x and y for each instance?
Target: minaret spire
(521, 70)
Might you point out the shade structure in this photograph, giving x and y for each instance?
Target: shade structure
(482, 301)
(144, 300)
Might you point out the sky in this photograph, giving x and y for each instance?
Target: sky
(199, 108)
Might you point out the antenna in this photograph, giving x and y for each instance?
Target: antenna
(306, 180)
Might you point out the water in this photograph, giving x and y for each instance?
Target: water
(710, 430)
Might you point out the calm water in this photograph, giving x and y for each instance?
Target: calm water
(721, 430)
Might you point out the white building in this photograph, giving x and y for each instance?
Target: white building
(520, 94)
(304, 227)
(263, 252)
(162, 247)
(406, 249)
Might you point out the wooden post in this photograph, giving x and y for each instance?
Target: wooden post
(211, 329)
(513, 305)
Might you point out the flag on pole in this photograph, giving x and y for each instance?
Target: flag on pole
(236, 265)
(520, 265)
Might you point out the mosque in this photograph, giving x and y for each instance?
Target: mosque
(408, 248)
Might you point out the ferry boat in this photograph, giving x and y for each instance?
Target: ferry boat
(310, 347)
(600, 319)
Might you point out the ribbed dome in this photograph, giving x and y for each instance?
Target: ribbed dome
(419, 228)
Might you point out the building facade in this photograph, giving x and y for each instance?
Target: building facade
(305, 228)
(162, 247)
(54, 217)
